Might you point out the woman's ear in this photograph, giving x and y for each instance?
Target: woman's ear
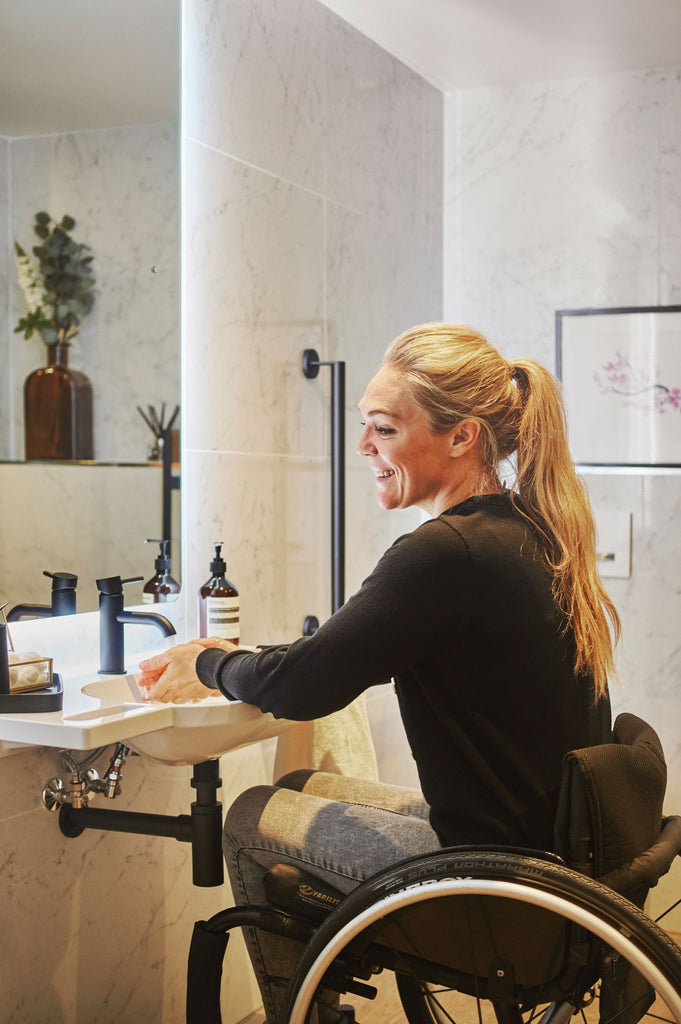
(464, 437)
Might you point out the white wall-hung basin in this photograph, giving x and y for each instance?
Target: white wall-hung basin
(111, 710)
(185, 733)
(99, 710)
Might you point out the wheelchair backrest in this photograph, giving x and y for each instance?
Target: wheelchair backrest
(610, 803)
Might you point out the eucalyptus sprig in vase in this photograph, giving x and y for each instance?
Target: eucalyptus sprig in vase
(57, 282)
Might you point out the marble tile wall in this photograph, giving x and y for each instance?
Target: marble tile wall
(563, 195)
(649, 604)
(312, 219)
(122, 187)
(107, 917)
(312, 191)
(89, 520)
(4, 295)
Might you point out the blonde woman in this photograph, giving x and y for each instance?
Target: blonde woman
(490, 617)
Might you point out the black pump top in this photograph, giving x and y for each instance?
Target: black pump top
(162, 563)
(218, 566)
(62, 580)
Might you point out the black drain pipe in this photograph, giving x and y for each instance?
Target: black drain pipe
(202, 828)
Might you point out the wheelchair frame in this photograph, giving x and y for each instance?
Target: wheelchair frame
(609, 811)
(344, 951)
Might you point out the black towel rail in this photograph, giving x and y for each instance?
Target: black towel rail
(311, 363)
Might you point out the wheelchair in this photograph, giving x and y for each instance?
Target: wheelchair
(504, 934)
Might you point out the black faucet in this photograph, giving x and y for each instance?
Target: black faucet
(112, 618)
(63, 599)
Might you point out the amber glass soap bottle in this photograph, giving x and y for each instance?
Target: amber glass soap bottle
(219, 602)
(162, 586)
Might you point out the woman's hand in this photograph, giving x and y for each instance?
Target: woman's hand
(171, 676)
(216, 641)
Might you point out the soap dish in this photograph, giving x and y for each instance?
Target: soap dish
(29, 672)
(49, 698)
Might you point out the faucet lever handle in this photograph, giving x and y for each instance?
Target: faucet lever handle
(62, 580)
(112, 586)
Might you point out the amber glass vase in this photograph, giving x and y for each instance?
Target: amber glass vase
(58, 410)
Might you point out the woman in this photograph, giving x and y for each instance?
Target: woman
(490, 617)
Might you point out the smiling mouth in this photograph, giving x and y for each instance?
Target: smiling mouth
(384, 473)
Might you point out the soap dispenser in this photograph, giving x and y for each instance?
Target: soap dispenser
(219, 602)
(162, 587)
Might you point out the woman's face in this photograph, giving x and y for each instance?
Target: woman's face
(412, 464)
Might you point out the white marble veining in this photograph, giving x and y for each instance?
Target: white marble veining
(312, 218)
(669, 103)
(377, 284)
(108, 916)
(272, 514)
(374, 104)
(254, 301)
(258, 83)
(122, 187)
(649, 604)
(5, 329)
(555, 193)
(47, 514)
(375, 290)
(115, 910)
(564, 195)
(283, 257)
(670, 270)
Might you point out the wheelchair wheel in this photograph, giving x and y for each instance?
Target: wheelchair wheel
(506, 936)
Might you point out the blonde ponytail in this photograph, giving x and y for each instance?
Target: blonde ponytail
(554, 499)
(453, 373)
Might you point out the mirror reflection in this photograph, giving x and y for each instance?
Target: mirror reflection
(89, 128)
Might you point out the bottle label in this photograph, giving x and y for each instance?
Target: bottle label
(148, 598)
(222, 617)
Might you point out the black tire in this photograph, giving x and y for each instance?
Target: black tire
(378, 908)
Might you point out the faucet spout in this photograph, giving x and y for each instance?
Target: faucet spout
(63, 599)
(29, 611)
(148, 618)
(113, 617)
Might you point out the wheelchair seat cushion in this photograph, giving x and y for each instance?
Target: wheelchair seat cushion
(610, 806)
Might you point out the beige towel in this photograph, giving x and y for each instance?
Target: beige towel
(339, 743)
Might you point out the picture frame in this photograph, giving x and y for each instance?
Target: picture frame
(620, 369)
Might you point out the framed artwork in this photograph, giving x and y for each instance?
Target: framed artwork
(621, 376)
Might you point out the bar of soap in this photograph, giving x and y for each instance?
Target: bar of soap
(28, 671)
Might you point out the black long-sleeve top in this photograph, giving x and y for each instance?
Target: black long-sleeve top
(460, 613)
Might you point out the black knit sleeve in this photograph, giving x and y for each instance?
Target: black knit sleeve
(413, 601)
